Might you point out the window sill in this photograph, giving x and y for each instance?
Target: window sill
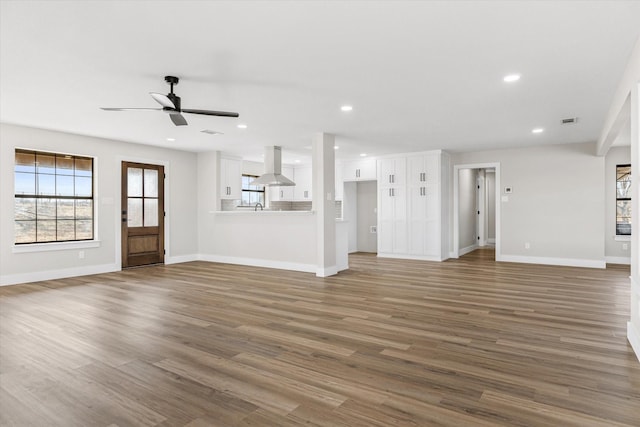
(55, 246)
(623, 238)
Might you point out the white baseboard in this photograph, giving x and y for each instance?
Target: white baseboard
(63, 273)
(633, 335)
(181, 258)
(491, 241)
(466, 250)
(327, 271)
(569, 262)
(256, 262)
(618, 260)
(408, 256)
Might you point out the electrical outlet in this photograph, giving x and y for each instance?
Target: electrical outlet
(81, 254)
(373, 229)
(527, 245)
(625, 246)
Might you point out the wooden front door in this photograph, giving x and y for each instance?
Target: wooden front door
(142, 214)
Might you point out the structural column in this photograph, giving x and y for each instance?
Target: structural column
(633, 327)
(323, 173)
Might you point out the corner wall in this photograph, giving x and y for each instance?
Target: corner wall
(557, 203)
(180, 204)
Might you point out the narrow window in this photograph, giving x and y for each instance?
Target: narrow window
(251, 194)
(53, 197)
(623, 200)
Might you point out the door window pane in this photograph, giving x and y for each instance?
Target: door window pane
(150, 212)
(134, 212)
(150, 183)
(134, 182)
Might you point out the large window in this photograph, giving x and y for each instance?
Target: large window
(623, 200)
(53, 197)
(251, 194)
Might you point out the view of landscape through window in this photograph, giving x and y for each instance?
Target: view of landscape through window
(623, 199)
(53, 197)
(251, 194)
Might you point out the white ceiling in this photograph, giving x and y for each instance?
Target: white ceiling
(420, 75)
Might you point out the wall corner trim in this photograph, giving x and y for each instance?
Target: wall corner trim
(633, 335)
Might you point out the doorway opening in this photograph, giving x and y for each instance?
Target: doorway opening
(477, 200)
(360, 210)
(142, 208)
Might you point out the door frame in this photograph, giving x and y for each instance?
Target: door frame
(117, 210)
(456, 202)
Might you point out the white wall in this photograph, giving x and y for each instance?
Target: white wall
(614, 250)
(350, 213)
(180, 203)
(467, 216)
(557, 204)
(490, 189)
(367, 195)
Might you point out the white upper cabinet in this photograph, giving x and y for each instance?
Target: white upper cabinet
(359, 170)
(302, 178)
(230, 179)
(423, 170)
(392, 172)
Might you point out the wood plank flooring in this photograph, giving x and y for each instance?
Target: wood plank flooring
(466, 342)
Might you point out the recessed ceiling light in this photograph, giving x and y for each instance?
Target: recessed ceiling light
(335, 147)
(242, 126)
(510, 78)
(537, 130)
(171, 139)
(363, 154)
(297, 161)
(346, 108)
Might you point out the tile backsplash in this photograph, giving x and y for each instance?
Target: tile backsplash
(232, 205)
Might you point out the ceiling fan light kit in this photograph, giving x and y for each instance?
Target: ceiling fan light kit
(171, 104)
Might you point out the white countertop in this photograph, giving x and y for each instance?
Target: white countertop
(265, 212)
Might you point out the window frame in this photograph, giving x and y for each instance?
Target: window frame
(35, 245)
(618, 235)
(250, 190)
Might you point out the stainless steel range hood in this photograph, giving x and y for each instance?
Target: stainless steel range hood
(272, 176)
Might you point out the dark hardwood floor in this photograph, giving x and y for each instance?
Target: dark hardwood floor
(466, 342)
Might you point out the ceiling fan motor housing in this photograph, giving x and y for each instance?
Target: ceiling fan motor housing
(176, 101)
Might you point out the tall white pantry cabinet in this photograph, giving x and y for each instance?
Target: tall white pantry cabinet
(413, 206)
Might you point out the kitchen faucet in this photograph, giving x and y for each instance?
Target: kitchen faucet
(258, 204)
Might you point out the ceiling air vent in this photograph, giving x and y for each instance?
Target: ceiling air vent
(570, 121)
(211, 132)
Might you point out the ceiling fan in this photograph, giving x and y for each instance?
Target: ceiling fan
(171, 104)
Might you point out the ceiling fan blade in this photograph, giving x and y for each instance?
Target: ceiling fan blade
(211, 113)
(163, 100)
(178, 119)
(130, 109)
